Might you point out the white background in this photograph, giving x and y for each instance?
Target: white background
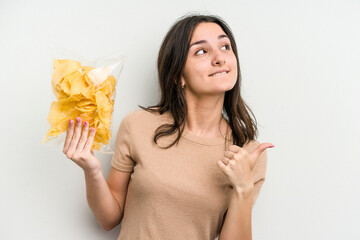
(301, 77)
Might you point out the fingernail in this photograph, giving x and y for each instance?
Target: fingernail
(85, 123)
(272, 146)
(77, 119)
(70, 121)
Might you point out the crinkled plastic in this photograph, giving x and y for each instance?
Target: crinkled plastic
(87, 90)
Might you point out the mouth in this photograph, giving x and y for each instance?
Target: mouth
(222, 72)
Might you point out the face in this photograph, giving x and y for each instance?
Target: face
(211, 65)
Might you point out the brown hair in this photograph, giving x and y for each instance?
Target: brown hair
(171, 61)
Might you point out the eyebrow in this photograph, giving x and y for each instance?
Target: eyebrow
(204, 41)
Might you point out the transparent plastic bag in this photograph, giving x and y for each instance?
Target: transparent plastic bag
(84, 89)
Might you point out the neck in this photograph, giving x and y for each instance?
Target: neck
(204, 117)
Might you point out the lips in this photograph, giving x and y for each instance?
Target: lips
(220, 72)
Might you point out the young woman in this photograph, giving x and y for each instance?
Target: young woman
(188, 167)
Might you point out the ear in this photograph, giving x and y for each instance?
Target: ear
(182, 80)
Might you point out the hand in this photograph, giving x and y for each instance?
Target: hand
(238, 165)
(77, 146)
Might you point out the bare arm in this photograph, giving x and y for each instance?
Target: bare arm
(105, 199)
(239, 165)
(237, 225)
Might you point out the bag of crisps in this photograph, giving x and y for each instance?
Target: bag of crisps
(84, 89)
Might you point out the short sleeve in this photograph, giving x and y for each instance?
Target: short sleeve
(259, 175)
(122, 159)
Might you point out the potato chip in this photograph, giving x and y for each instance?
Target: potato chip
(62, 67)
(85, 92)
(108, 86)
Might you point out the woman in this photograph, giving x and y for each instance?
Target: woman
(188, 167)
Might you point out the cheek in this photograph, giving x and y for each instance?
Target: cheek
(233, 63)
(195, 70)
(193, 74)
(187, 70)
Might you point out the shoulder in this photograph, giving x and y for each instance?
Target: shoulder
(250, 146)
(143, 114)
(143, 118)
(261, 164)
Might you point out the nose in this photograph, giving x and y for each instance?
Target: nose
(218, 59)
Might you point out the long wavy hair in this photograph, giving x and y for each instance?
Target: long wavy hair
(171, 61)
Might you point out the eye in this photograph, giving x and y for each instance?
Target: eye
(200, 52)
(227, 47)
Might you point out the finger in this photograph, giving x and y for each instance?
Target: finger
(90, 140)
(69, 134)
(221, 165)
(234, 148)
(226, 160)
(229, 154)
(83, 137)
(76, 136)
(260, 149)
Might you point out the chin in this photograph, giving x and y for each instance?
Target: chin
(224, 89)
(228, 86)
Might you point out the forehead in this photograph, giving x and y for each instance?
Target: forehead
(207, 30)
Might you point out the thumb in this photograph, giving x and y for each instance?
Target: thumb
(260, 149)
